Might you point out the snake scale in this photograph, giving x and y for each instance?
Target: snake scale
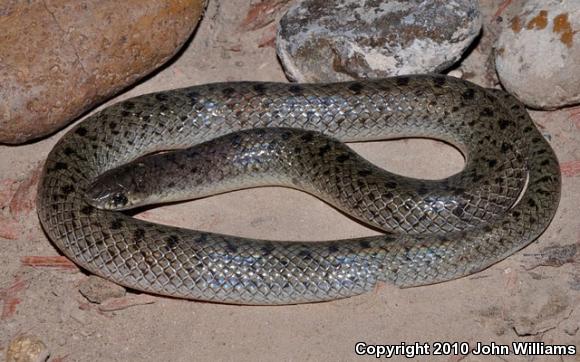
(245, 134)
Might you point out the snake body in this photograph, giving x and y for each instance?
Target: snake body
(251, 133)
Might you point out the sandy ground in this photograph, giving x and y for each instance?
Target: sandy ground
(532, 296)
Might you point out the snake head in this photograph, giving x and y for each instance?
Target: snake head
(115, 190)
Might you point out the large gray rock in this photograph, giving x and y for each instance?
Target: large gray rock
(538, 54)
(333, 40)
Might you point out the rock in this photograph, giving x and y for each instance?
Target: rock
(322, 40)
(537, 54)
(59, 58)
(571, 326)
(128, 301)
(541, 312)
(27, 348)
(97, 290)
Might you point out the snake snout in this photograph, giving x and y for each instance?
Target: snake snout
(108, 196)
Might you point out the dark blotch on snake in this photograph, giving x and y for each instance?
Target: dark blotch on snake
(81, 131)
(439, 81)
(486, 112)
(458, 211)
(260, 88)
(67, 189)
(228, 91)
(202, 239)
(322, 150)
(333, 248)
(364, 173)
(161, 97)
(116, 224)
(284, 262)
(356, 88)
(139, 234)
(307, 137)
(193, 96)
(468, 94)
(87, 210)
(231, 247)
(171, 241)
(68, 151)
(342, 158)
(296, 89)
(503, 123)
(267, 249)
(60, 166)
(128, 105)
(391, 184)
(402, 81)
(236, 140)
(364, 244)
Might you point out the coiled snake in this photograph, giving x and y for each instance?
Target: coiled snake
(434, 230)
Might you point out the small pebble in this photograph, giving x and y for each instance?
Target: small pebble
(457, 73)
(571, 327)
(27, 348)
(97, 290)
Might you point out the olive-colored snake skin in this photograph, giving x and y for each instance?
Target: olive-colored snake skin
(436, 230)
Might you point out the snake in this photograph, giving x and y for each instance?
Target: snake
(205, 139)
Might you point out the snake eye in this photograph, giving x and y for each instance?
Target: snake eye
(120, 199)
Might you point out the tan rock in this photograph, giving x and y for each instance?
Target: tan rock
(97, 290)
(537, 54)
(27, 348)
(58, 58)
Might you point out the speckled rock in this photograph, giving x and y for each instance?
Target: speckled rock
(538, 54)
(27, 348)
(58, 58)
(97, 290)
(334, 40)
